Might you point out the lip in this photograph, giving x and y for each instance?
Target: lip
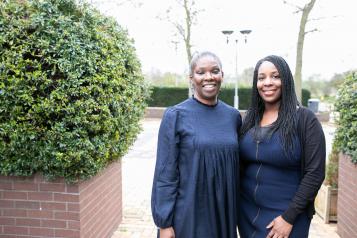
(209, 85)
(269, 92)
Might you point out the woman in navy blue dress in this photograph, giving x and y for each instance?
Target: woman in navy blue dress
(194, 191)
(282, 154)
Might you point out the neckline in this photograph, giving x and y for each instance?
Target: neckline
(204, 104)
(268, 126)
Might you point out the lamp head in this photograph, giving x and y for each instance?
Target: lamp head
(227, 33)
(245, 32)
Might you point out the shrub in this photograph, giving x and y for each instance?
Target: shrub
(332, 167)
(346, 105)
(168, 96)
(305, 96)
(72, 93)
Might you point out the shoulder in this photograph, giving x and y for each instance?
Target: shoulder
(306, 113)
(306, 116)
(170, 113)
(229, 108)
(175, 110)
(308, 120)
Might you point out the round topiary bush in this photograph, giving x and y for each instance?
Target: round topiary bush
(346, 105)
(71, 89)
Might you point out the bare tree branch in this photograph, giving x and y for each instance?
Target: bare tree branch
(310, 31)
(299, 9)
(321, 18)
(183, 24)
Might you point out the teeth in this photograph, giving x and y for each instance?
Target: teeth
(209, 86)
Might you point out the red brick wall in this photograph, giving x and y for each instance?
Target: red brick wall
(347, 202)
(31, 207)
(101, 204)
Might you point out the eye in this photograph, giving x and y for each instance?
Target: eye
(276, 76)
(260, 78)
(216, 71)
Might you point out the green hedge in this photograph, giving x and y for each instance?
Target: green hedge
(346, 105)
(168, 96)
(71, 89)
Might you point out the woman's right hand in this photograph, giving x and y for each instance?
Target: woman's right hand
(167, 232)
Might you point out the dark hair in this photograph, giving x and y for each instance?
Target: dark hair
(287, 118)
(199, 55)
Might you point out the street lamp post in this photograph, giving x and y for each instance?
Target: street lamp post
(235, 99)
(245, 33)
(227, 33)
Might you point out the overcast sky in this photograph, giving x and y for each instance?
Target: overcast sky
(332, 49)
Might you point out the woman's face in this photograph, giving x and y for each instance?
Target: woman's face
(269, 83)
(206, 78)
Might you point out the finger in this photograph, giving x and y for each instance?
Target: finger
(271, 233)
(270, 225)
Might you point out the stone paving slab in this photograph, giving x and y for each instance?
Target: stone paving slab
(138, 168)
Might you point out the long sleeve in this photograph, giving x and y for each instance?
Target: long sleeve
(314, 146)
(166, 177)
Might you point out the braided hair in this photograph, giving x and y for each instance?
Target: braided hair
(287, 118)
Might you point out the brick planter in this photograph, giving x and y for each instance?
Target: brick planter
(31, 207)
(347, 202)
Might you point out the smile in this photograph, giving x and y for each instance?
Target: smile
(269, 91)
(209, 86)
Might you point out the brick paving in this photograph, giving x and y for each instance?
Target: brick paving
(138, 167)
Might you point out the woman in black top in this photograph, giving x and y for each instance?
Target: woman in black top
(194, 192)
(282, 153)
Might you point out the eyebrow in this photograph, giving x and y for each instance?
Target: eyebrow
(213, 67)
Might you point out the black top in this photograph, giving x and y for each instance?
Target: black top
(312, 140)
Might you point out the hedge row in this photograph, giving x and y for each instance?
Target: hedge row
(168, 96)
(71, 89)
(346, 105)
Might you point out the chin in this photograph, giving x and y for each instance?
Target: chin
(271, 101)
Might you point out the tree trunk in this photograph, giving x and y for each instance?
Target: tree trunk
(300, 46)
(187, 39)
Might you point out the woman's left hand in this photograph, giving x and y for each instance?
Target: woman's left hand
(279, 228)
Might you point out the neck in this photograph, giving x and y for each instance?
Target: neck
(210, 102)
(271, 108)
(271, 113)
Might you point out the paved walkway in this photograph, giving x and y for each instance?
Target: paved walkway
(138, 168)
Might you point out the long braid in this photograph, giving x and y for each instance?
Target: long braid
(287, 118)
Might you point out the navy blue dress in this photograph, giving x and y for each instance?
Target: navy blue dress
(196, 173)
(269, 181)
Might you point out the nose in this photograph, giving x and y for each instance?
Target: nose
(267, 81)
(208, 76)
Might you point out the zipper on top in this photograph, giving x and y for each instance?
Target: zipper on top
(256, 186)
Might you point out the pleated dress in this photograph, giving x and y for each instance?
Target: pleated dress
(269, 181)
(196, 174)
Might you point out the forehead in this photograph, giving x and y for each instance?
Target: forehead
(207, 60)
(267, 66)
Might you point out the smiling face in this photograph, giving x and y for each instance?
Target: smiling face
(206, 78)
(269, 83)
